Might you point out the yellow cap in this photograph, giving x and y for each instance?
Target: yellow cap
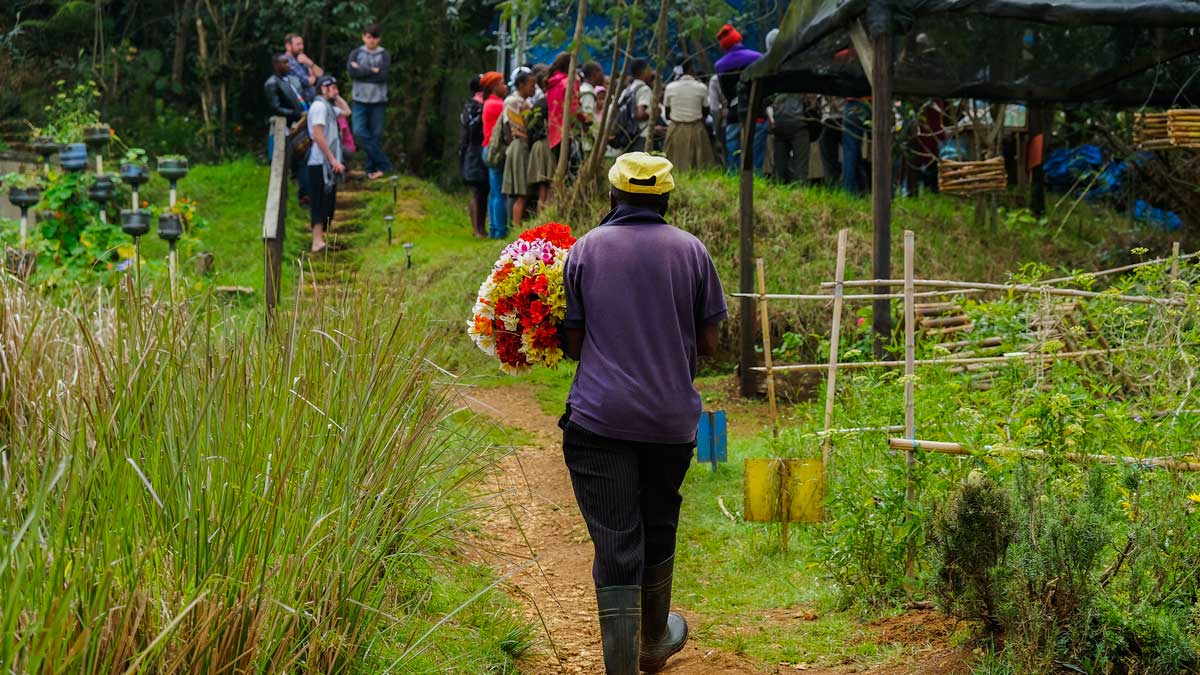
(640, 173)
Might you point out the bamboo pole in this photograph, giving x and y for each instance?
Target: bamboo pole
(1168, 463)
(910, 352)
(862, 297)
(1013, 356)
(835, 337)
(910, 357)
(766, 340)
(1015, 288)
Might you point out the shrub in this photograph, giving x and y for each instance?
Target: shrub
(971, 534)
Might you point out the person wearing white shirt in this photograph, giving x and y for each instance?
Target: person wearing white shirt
(686, 100)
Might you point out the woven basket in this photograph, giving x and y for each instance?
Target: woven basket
(972, 178)
(1167, 130)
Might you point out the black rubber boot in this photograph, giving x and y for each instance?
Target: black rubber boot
(620, 627)
(663, 632)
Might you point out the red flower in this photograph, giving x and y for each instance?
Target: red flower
(503, 273)
(555, 233)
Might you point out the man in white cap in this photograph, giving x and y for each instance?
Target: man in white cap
(643, 301)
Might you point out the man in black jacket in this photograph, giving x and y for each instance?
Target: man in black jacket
(283, 93)
(284, 98)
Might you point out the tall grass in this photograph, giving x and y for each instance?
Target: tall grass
(184, 493)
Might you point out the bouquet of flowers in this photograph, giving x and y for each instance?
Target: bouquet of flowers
(522, 301)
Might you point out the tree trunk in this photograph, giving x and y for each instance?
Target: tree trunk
(183, 13)
(564, 144)
(430, 87)
(660, 62)
(206, 91)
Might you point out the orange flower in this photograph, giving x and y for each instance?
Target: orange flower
(483, 325)
(145, 203)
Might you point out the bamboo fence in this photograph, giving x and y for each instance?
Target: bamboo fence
(911, 310)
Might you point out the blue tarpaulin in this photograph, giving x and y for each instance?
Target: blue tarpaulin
(1084, 170)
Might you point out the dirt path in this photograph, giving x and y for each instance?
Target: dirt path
(539, 514)
(538, 517)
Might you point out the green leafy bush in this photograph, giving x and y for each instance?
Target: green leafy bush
(971, 534)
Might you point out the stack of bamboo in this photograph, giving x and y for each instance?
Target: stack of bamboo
(1183, 127)
(968, 178)
(1167, 130)
(1150, 131)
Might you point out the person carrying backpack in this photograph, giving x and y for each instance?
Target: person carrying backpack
(470, 158)
(791, 114)
(633, 109)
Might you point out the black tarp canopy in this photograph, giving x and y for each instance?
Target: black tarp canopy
(1123, 52)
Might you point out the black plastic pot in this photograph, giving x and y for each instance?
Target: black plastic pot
(134, 174)
(73, 157)
(97, 136)
(135, 223)
(102, 189)
(172, 169)
(170, 227)
(44, 146)
(24, 198)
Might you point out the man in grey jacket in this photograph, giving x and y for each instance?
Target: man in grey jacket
(369, 65)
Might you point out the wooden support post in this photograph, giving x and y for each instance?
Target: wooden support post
(910, 358)
(835, 337)
(1036, 116)
(275, 215)
(746, 246)
(766, 342)
(1174, 264)
(882, 125)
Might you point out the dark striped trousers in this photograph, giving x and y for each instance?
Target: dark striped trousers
(629, 495)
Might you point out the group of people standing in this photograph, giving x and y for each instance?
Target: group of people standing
(319, 121)
(512, 128)
(512, 137)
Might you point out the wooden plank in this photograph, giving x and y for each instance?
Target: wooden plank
(835, 337)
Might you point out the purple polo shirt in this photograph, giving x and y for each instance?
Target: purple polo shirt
(640, 289)
(739, 57)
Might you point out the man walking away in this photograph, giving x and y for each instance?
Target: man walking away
(301, 66)
(325, 167)
(369, 65)
(793, 147)
(630, 424)
(687, 144)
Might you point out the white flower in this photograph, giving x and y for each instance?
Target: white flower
(511, 321)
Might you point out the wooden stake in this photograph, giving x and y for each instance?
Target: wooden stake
(835, 337)
(910, 355)
(766, 340)
(1174, 263)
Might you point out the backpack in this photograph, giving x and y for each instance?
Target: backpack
(789, 113)
(626, 130)
(301, 141)
(497, 145)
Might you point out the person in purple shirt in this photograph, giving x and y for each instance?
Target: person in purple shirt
(643, 302)
(729, 68)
